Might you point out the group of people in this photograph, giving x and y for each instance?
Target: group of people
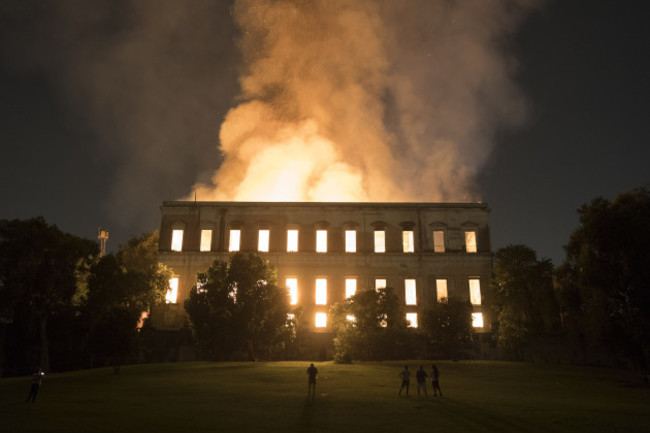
(421, 378)
(405, 375)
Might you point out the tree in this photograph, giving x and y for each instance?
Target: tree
(41, 266)
(369, 325)
(448, 326)
(604, 283)
(120, 287)
(525, 300)
(238, 306)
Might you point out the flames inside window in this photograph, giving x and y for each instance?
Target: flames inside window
(350, 287)
(350, 241)
(292, 241)
(292, 285)
(235, 237)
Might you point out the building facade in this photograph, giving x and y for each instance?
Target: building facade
(325, 252)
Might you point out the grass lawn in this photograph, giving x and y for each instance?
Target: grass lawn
(480, 396)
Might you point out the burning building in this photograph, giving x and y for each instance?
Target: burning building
(325, 252)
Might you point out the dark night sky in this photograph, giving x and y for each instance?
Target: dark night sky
(584, 67)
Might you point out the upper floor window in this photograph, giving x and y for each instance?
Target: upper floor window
(380, 241)
(292, 241)
(206, 240)
(172, 291)
(350, 287)
(470, 242)
(410, 292)
(177, 240)
(234, 241)
(380, 283)
(292, 285)
(321, 241)
(350, 241)
(263, 241)
(441, 289)
(321, 291)
(438, 241)
(408, 243)
(475, 291)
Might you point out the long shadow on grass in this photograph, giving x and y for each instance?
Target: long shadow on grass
(315, 414)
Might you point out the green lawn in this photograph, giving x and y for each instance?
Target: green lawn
(271, 397)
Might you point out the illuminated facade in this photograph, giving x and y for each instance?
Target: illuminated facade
(325, 252)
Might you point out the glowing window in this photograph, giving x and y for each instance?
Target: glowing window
(292, 285)
(475, 291)
(172, 292)
(438, 241)
(408, 244)
(470, 242)
(199, 286)
(409, 291)
(380, 283)
(351, 318)
(321, 241)
(380, 241)
(321, 320)
(321, 291)
(477, 320)
(235, 237)
(350, 241)
(206, 240)
(412, 319)
(350, 287)
(177, 240)
(292, 241)
(263, 241)
(441, 289)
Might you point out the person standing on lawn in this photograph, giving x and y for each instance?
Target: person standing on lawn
(405, 375)
(435, 380)
(312, 372)
(421, 377)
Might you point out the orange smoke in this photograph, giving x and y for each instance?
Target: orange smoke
(365, 100)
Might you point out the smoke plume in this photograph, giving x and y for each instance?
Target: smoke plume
(367, 100)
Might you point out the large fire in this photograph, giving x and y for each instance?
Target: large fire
(365, 100)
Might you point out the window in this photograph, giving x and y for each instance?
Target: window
(291, 317)
(321, 320)
(321, 241)
(380, 241)
(438, 241)
(235, 237)
(351, 318)
(177, 240)
(470, 242)
(475, 291)
(292, 285)
(408, 244)
(292, 241)
(412, 319)
(441, 290)
(263, 241)
(199, 286)
(409, 291)
(350, 241)
(172, 292)
(321, 291)
(477, 320)
(380, 283)
(350, 287)
(206, 240)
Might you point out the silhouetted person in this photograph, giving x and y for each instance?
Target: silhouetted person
(37, 379)
(435, 381)
(312, 372)
(405, 375)
(421, 377)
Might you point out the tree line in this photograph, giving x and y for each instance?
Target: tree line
(60, 301)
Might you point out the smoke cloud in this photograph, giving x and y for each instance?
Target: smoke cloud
(367, 100)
